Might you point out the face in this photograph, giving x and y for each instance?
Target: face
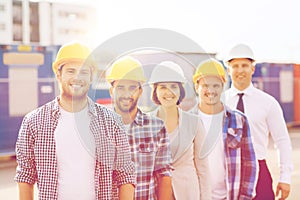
(241, 71)
(125, 94)
(209, 89)
(74, 80)
(168, 93)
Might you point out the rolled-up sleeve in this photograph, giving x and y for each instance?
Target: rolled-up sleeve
(26, 168)
(124, 172)
(163, 159)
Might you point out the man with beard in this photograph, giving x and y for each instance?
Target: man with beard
(71, 147)
(228, 143)
(147, 135)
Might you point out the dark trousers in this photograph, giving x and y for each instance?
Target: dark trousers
(264, 188)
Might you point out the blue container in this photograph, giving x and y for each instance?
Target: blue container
(277, 80)
(9, 125)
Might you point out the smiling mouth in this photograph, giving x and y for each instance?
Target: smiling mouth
(168, 98)
(76, 86)
(126, 101)
(211, 96)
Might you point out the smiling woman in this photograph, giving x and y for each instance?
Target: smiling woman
(185, 131)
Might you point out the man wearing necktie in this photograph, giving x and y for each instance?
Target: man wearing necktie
(265, 117)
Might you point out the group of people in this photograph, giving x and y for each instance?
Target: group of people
(74, 148)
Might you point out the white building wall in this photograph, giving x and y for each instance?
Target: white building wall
(58, 22)
(71, 22)
(6, 16)
(45, 25)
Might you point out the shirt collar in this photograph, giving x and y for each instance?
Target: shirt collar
(91, 107)
(246, 91)
(140, 118)
(197, 111)
(55, 111)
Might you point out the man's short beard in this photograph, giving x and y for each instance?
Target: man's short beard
(131, 108)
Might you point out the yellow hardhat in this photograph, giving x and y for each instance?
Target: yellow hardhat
(72, 52)
(126, 68)
(210, 67)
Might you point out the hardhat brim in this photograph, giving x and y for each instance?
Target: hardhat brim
(198, 77)
(240, 57)
(56, 65)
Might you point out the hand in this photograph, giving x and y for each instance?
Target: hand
(285, 190)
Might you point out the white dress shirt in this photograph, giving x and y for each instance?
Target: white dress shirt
(265, 117)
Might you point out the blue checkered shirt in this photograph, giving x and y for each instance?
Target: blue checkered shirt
(239, 155)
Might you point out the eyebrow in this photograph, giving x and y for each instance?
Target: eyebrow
(169, 83)
(122, 85)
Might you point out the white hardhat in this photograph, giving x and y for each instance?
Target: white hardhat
(167, 71)
(240, 51)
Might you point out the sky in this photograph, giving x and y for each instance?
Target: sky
(270, 27)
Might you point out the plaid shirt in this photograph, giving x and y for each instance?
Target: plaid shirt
(36, 152)
(150, 148)
(239, 155)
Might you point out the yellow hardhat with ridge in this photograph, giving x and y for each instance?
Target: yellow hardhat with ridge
(210, 67)
(73, 52)
(126, 68)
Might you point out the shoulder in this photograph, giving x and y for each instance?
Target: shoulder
(192, 124)
(262, 94)
(194, 110)
(236, 123)
(229, 92)
(153, 112)
(43, 111)
(189, 117)
(149, 119)
(104, 110)
(149, 124)
(107, 114)
(235, 116)
(41, 116)
(265, 101)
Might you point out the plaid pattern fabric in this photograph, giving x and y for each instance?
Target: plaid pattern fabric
(239, 155)
(36, 152)
(151, 153)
